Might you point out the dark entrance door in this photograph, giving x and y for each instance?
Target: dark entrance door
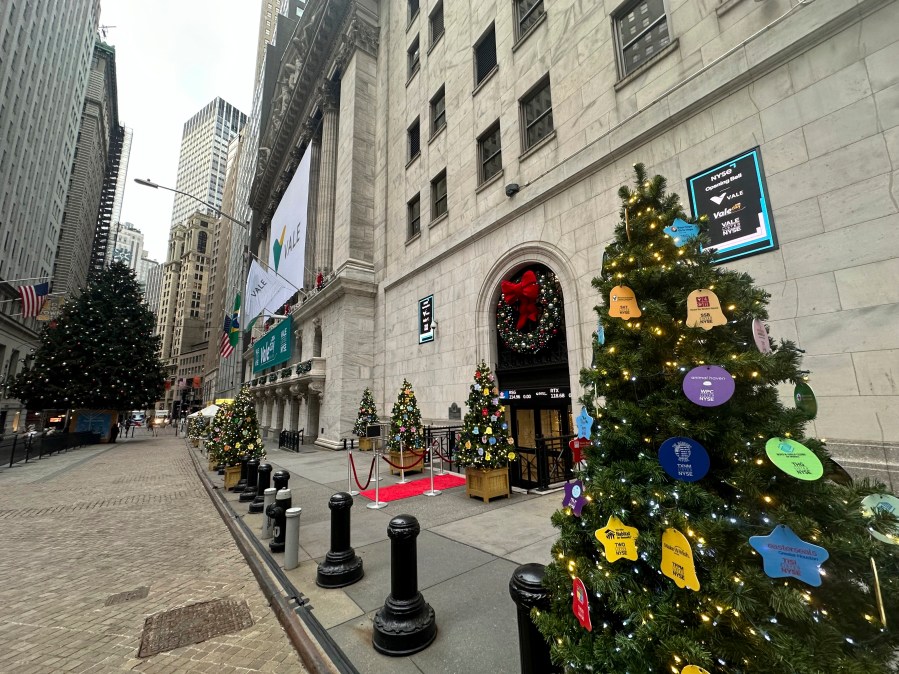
(540, 425)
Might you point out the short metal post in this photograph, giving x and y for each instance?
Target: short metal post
(342, 566)
(292, 538)
(239, 487)
(403, 479)
(249, 492)
(406, 623)
(378, 503)
(526, 588)
(263, 481)
(349, 474)
(432, 491)
(280, 479)
(269, 499)
(277, 512)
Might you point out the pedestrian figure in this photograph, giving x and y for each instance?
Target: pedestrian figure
(127, 426)
(114, 431)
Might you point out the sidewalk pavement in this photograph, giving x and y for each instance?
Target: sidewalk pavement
(82, 528)
(467, 552)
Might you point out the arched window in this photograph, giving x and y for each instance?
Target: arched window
(201, 242)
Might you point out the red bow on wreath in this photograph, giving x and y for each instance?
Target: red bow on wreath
(525, 293)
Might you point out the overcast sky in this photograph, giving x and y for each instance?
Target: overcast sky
(172, 58)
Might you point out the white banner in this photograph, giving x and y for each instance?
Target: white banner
(287, 237)
(265, 291)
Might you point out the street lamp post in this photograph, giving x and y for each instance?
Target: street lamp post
(157, 186)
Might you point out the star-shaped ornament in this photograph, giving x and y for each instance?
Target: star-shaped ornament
(584, 423)
(619, 540)
(574, 497)
(788, 556)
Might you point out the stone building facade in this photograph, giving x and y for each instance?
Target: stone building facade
(453, 146)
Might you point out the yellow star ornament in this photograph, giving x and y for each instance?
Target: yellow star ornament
(619, 541)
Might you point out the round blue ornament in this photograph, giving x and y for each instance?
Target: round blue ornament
(684, 459)
(492, 440)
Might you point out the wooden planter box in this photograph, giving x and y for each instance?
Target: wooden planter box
(408, 460)
(365, 445)
(487, 483)
(195, 442)
(232, 476)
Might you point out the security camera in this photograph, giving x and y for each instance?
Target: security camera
(512, 188)
(433, 324)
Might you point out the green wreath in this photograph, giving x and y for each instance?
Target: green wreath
(549, 306)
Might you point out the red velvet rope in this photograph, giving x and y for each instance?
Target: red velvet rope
(437, 451)
(356, 477)
(393, 465)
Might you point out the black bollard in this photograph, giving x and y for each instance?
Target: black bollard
(406, 623)
(280, 479)
(249, 492)
(278, 514)
(263, 481)
(342, 566)
(526, 588)
(243, 458)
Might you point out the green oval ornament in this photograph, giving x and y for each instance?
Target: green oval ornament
(805, 400)
(794, 459)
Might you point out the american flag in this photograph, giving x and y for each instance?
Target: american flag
(33, 298)
(225, 348)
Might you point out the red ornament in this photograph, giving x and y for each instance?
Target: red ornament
(484, 412)
(580, 605)
(525, 293)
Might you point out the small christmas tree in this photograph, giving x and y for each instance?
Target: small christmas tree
(702, 534)
(368, 414)
(239, 431)
(484, 441)
(214, 442)
(405, 422)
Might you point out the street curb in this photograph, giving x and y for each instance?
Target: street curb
(304, 640)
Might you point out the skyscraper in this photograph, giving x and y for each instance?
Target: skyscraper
(204, 157)
(45, 58)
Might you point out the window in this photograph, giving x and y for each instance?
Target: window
(642, 31)
(537, 114)
(438, 111)
(528, 13)
(436, 22)
(485, 55)
(490, 155)
(201, 242)
(413, 55)
(414, 133)
(438, 195)
(413, 9)
(413, 208)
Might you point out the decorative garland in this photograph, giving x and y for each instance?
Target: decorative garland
(548, 301)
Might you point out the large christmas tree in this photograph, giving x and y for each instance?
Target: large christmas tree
(484, 441)
(711, 532)
(368, 413)
(405, 422)
(100, 353)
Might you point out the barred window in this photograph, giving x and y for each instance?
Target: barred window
(642, 31)
(413, 209)
(485, 55)
(438, 111)
(414, 55)
(537, 114)
(414, 133)
(436, 22)
(490, 153)
(438, 195)
(528, 13)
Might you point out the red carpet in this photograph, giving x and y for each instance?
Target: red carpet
(414, 488)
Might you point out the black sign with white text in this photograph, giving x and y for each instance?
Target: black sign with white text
(734, 197)
(426, 319)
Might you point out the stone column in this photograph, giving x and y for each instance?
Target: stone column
(324, 236)
(289, 403)
(315, 161)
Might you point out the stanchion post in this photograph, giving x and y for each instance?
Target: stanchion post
(349, 474)
(406, 623)
(526, 588)
(342, 566)
(402, 466)
(292, 538)
(436, 443)
(432, 491)
(268, 499)
(378, 503)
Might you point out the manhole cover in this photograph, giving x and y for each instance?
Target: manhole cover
(137, 593)
(192, 624)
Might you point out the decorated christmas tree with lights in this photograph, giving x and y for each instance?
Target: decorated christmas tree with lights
(99, 353)
(707, 531)
(368, 414)
(235, 431)
(405, 422)
(484, 441)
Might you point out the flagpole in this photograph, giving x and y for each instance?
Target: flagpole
(47, 295)
(17, 280)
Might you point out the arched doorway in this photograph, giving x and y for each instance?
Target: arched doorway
(533, 373)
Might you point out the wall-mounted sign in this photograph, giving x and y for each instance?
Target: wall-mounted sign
(273, 347)
(734, 196)
(426, 319)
